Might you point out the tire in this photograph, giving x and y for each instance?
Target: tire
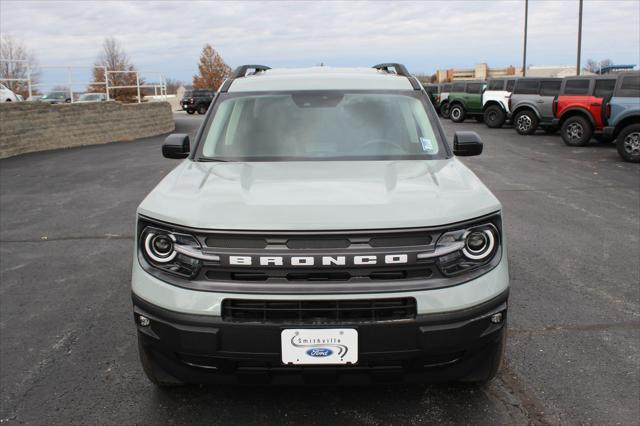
(444, 110)
(202, 109)
(154, 373)
(525, 122)
(488, 368)
(576, 131)
(628, 143)
(457, 113)
(190, 111)
(494, 117)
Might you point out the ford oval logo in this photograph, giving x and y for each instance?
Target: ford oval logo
(319, 352)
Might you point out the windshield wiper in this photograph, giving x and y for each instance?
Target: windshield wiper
(207, 160)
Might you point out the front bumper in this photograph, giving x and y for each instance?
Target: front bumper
(431, 347)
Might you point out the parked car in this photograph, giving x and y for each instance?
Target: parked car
(92, 97)
(442, 100)
(34, 98)
(254, 264)
(579, 108)
(198, 101)
(7, 95)
(432, 91)
(465, 100)
(623, 116)
(495, 101)
(531, 104)
(56, 97)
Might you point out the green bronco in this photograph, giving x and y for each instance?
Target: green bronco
(465, 100)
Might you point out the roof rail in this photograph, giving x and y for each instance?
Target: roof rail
(400, 70)
(241, 71)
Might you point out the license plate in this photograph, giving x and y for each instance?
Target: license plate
(319, 346)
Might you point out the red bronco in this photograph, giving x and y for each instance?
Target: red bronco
(579, 109)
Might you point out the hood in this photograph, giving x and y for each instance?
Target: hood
(319, 195)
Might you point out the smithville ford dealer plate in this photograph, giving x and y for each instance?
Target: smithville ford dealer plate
(320, 346)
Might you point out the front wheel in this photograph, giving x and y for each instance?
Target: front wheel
(628, 143)
(202, 109)
(525, 122)
(576, 131)
(457, 113)
(487, 368)
(444, 110)
(190, 111)
(154, 373)
(494, 117)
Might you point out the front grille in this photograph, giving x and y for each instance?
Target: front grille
(318, 311)
(290, 275)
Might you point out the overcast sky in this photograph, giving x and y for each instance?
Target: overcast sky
(428, 35)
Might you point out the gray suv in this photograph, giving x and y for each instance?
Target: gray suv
(531, 104)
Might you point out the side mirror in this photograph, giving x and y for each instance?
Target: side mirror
(466, 144)
(176, 146)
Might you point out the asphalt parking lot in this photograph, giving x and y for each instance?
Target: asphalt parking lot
(68, 350)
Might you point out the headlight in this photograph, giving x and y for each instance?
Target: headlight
(479, 244)
(173, 252)
(467, 249)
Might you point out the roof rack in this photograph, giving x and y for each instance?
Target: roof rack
(241, 71)
(400, 70)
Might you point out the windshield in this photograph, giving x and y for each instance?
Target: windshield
(326, 125)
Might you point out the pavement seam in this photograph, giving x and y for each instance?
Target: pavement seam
(625, 325)
(45, 239)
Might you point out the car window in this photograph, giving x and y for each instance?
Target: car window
(604, 88)
(326, 125)
(475, 87)
(496, 85)
(457, 87)
(576, 87)
(630, 86)
(446, 88)
(510, 84)
(527, 87)
(550, 88)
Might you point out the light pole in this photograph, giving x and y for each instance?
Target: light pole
(524, 53)
(579, 38)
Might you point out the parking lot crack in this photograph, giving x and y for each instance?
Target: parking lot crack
(625, 325)
(45, 238)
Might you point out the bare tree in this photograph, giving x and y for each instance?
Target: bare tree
(212, 70)
(172, 85)
(21, 60)
(596, 66)
(115, 58)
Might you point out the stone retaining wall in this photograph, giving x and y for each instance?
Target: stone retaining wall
(37, 126)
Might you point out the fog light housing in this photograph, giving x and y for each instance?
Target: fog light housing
(143, 321)
(496, 318)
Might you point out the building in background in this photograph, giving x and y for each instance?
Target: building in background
(483, 71)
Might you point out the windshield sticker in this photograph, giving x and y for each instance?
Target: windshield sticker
(426, 144)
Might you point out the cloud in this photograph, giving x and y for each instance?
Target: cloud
(167, 36)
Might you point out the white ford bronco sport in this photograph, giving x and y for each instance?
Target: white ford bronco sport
(320, 230)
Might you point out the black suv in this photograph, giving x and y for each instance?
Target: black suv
(197, 100)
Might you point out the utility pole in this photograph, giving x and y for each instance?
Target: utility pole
(524, 54)
(579, 38)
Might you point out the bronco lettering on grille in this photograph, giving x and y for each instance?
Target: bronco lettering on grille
(389, 259)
